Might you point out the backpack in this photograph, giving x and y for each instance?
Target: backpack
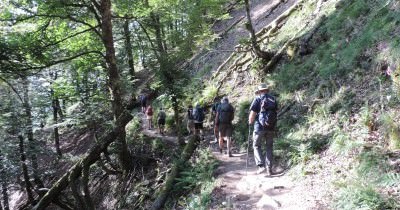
(268, 115)
(149, 111)
(162, 115)
(225, 113)
(198, 114)
(190, 114)
(143, 99)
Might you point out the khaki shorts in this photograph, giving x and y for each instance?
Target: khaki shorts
(225, 130)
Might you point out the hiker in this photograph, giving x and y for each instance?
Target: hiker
(263, 113)
(198, 117)
(213, 114)
(190, 120)
(149, 117)
(143, 102)
(161, 120)
(223, 121)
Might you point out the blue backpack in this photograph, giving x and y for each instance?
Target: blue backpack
(198, 114)
(268, 115)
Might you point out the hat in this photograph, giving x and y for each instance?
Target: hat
(225, 99)
(261, 87)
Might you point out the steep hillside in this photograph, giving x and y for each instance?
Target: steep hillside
(337, 82)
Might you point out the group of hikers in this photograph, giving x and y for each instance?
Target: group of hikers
(147, 109)
(263, 116)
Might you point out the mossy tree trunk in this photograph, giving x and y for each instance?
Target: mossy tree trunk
(114, 80)
(169, 183)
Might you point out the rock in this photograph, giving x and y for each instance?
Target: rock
(241, 197)
(267, 202)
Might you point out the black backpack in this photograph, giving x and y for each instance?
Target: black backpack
(198, 114)
(225, 113)
(190, 114)
(268, 115)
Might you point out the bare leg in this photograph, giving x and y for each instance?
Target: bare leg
(228, 143)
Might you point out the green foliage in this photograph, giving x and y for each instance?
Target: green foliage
(390, 179)
(208, 94)
(391, 129)
(132, 129)
(372, 165)
(359, 197)
(241, 128)
(197, 178)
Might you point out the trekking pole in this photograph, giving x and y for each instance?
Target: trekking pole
(248, 145)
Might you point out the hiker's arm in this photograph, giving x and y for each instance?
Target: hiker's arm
(252, 117)
(216, 119)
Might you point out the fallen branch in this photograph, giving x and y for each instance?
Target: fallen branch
(303, 48)
(222, 33)
(232, 68)
(169, 183)
(92, 156)
(278, 55)
(222, 66)
(277, 23)
(273, 8)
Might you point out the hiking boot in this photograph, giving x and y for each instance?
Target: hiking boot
(230, 154)
(261, 169)
(269, 172)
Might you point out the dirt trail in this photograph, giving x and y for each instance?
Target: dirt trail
(238, 189)
(154, 131)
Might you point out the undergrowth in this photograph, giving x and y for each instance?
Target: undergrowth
(196, 181)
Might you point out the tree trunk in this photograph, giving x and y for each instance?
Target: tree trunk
(249, 26)
(86, 191)
(59, 110)
(29, 132)
(92, 156)
(28, 185)
(4, 192)
(128, 48)
(75, 188)
(181, 141)
(114, 81)
(55, 120)
(169, 183)
(3, 182)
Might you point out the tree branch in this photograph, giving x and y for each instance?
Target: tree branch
(68, 37)
(61, 61)
(12, 87)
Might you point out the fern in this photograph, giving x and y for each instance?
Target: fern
(391, 179)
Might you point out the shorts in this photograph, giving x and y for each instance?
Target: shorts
(198, 126)
(225, 130)
(161, 121)
(149, 117)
